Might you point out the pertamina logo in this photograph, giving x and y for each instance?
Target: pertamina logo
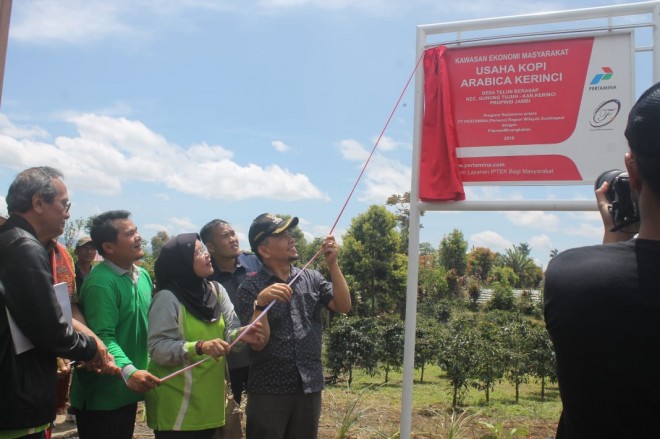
(596, 83)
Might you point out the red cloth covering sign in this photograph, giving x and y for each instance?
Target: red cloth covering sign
(438, 178)
(511, 97)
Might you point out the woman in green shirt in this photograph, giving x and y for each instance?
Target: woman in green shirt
(189, 318)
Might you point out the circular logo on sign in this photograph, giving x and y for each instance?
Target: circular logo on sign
(605, 113)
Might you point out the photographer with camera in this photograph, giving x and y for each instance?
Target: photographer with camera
(602, 303)
(618, 205)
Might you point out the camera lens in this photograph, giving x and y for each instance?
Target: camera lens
(609, 177)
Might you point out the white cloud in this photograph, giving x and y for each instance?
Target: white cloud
(389, 144)
(155, 227)
(594, 232)
(280, 146)
(111, 151)
(3, 206)
(308, 236)
(183, 225)
(383, 176)
(321, 231)
(203, 152)
(69, 21)
(376, 7)
(491, 193)
(491, 240)
(541, 243)
(312, 231)
(9, 129)
(88, 21)
(534, 220)
(586, 216)
(353, 150)
(173, 227)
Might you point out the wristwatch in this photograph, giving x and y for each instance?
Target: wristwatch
(258, 307)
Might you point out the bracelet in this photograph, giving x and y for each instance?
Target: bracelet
(198, 347)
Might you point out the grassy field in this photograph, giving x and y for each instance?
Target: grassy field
(372, 408)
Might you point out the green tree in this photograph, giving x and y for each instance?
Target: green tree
(73, 229)
(479, 263)
(454, 283)
(351, 342)
(543, 362)
(457, 354)
(401, 205)
(519, 260)
(425, 249)
(158, 241)
(554, 252)
(502, 297)
(370, 254)
(432, 282)
(439, 310)
(474, 294)
(529, 306)
(504, 275)
(452, 252)
(148, 262)
(390, 344)
(427, 343)
(307, 251)
(516, 340)
(489, 357)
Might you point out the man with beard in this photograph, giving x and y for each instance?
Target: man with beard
(286, 373)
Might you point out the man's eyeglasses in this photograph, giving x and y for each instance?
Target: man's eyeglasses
(65, 206)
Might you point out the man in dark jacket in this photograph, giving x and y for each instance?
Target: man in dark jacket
(230, 267)
(38, 205)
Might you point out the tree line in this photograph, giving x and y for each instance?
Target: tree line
(473, 349)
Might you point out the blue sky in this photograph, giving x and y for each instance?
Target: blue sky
(184, 111)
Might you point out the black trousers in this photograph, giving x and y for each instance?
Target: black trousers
(239, 379)
(199, 434)
(283, 416)
(107, 424)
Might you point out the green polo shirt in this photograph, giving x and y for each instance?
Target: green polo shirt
(115, 303)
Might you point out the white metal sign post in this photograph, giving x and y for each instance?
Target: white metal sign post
(513, 144)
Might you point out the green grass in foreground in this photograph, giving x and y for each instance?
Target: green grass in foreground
(436, 390)
(432, 403)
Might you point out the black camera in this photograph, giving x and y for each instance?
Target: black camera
(625, 209)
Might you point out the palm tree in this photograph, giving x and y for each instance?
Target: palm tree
(518, 259)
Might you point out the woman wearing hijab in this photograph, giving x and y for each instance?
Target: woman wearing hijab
(190, 318)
